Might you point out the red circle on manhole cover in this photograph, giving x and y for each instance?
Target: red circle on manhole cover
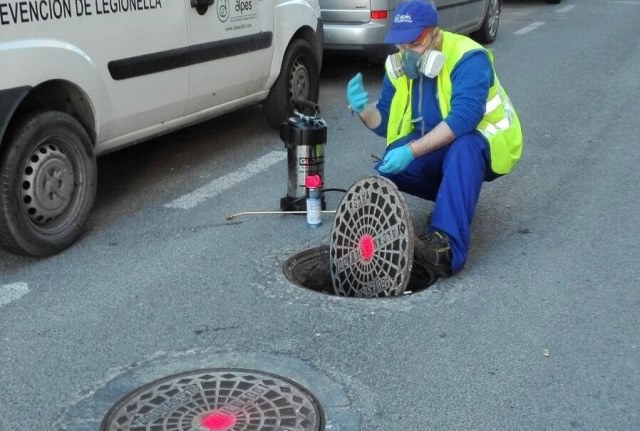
(367, 247)
(218, 421)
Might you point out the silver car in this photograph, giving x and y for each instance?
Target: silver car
(359, 26)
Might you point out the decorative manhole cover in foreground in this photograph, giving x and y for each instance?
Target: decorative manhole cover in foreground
(217, 400)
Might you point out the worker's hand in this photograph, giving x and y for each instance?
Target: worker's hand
(396, 160)
(357, 97)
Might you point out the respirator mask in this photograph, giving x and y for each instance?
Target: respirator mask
(410, 63)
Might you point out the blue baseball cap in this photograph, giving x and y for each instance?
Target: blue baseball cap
(410, 19)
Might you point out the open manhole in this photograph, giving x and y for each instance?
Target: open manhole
(311, 269)
(371, 247)
(217, 400)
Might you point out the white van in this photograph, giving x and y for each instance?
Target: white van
(79, 78)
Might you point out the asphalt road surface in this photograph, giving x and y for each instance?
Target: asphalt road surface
(540, 331)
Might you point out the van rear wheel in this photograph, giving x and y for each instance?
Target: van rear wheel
(299, 79)
(48, 181)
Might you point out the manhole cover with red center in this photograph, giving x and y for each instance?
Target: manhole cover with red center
(371, 248)
(217, 400)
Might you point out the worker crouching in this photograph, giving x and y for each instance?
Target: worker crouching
(449, 126)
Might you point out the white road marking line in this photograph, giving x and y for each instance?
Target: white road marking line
(529, 28)
(13, 291)
(566, 8)
(225, 182)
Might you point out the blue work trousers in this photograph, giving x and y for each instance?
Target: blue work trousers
(451, 177)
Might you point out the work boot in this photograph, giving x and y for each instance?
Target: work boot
(432, 253)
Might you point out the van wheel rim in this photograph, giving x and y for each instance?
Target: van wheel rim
(299, 84)
(48, 184)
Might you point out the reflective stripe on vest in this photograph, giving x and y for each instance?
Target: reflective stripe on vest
(493, 104)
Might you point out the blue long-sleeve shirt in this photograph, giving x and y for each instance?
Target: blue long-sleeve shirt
(471, 79)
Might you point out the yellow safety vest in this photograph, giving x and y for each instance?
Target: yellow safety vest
(499, 125)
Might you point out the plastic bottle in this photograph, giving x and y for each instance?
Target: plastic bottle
(314, 203)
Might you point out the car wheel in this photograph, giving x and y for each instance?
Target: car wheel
(299, 79)
(489, 30)
(48, 181)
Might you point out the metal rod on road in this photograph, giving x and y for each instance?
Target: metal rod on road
(230, 216)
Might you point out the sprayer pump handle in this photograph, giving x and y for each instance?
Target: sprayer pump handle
(305, 105)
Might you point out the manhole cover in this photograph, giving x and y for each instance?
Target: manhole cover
(371, 246)
(219, 400)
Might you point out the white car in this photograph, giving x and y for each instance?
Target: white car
(81, 78)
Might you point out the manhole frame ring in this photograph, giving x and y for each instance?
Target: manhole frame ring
(414, 286)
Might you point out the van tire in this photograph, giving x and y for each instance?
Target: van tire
(298, 79)
(48, 183)
(489, 30)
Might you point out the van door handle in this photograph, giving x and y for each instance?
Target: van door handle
(200, 3)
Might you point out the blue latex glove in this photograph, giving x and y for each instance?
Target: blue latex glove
(396, 160)
(357, 97)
